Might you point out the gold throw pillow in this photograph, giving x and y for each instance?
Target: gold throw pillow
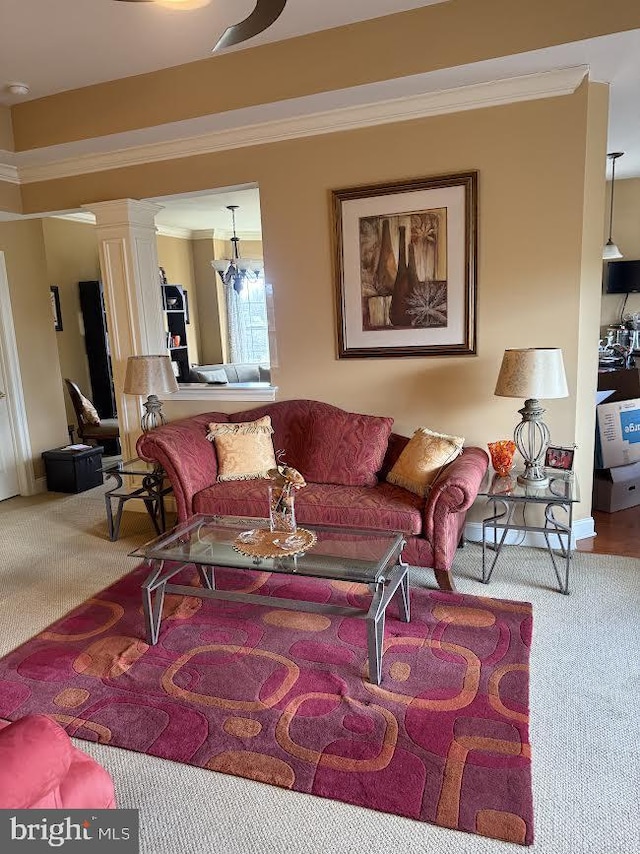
(423, 458)
(89, 412)
(244, 450)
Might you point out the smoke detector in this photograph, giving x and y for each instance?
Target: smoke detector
(17, 88)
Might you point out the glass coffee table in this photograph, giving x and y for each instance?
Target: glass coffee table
(341, 554)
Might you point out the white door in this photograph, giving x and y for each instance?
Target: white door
(9, 484)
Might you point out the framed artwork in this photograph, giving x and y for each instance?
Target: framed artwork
(55, 308)
(405, 259)
(557, 457)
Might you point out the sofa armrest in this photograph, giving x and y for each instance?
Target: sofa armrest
(452, 494)
(35, 755)
(186, 455)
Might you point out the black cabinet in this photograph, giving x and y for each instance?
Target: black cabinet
(96, 342)
(174, 306)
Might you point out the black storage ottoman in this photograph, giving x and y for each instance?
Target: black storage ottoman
(73, 470)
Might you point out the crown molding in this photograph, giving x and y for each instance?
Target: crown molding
(78, 216)
(203, 234)
(69, 160)
(227, 234)
(8, 170)
(174, 231)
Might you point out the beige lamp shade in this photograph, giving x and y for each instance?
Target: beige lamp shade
(149, 375)
(532, 373)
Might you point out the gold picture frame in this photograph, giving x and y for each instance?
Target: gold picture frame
(406, 258)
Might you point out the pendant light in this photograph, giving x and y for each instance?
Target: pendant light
(237, 271)
(611, 251)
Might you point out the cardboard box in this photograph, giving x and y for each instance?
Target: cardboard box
(618, 436)
(616, 488)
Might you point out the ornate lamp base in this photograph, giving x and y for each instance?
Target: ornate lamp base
(153, 416)
(532, 437)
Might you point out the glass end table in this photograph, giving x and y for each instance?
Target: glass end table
(152, 490)
(506, 495)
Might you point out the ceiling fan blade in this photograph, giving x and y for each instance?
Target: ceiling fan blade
(264, 14)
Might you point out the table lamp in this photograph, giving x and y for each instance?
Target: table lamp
(150, 375)
(532, 374)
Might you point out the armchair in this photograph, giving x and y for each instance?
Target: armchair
(41, 769)
(106, 429)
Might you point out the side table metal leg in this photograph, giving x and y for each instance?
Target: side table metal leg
(556, 527)
(107, 501)
(108, 497)
(152, 510)
(118, 519)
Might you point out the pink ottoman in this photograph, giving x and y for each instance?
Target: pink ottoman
(40, 768)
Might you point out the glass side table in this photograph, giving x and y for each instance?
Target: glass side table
(152, 491)
(506, 495)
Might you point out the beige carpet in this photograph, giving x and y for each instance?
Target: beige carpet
(585, 726)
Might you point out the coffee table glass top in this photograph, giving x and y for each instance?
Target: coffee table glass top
(562, 487)
(345, 554)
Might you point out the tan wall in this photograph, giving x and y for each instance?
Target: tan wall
(175, 255)
(23, 245)
(206, 279)
(71, 251)
(10, 197)
(420, 40)
(6, 129)
(626, 234)
(531, 209)
(531, 254)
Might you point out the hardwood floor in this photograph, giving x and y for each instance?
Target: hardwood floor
(616, 534)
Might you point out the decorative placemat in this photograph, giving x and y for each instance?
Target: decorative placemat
(261, 543)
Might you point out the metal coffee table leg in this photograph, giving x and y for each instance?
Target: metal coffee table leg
(152, 604)
(398, 582)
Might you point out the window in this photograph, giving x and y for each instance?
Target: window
(248, 326)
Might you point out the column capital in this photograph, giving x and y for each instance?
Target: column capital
(124, 212)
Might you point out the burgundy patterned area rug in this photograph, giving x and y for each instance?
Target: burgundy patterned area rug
(282, 696)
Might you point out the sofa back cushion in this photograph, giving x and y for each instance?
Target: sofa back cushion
(326, 444)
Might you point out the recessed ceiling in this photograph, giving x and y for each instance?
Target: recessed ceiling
(56, 45)
(205, 211)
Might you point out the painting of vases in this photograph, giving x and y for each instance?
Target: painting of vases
(403, 270)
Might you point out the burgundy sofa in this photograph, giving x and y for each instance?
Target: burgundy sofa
(344, 458)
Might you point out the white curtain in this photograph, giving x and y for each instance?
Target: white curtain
(238, 340)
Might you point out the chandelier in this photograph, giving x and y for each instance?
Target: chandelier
(237, 271)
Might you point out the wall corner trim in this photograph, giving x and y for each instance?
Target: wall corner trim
(269, 123)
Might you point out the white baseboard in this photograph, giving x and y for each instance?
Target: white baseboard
(39, 485)
(580, 530)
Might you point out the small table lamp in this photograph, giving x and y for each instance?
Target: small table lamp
(150, 375)
(532, 374)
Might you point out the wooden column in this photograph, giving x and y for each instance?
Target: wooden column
(126, 235)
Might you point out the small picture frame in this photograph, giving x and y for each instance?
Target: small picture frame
(559, 457)
(55, 308)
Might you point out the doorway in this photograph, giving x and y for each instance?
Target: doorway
(16, 475)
